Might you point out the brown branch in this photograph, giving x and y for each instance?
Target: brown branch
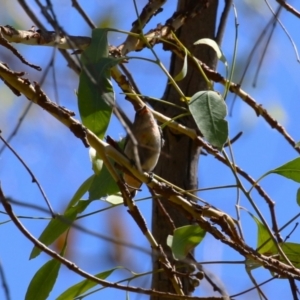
(162, 35)
(4, 42)
(71, 63)
(286, 271)
(43, 38)
(63, 41)
(289, 8)
(152, 8)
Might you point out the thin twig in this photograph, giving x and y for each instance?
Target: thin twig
(4, 283)
(253, 288)
(223, 21)
(256, 286)
(272, 21)
(7, 45)
(80, 10)
(18, 125)
(289, 235)
(259, 65)
(60, 217)
(71, 63)
(72, 266)
(151, 9)
(285, 30)
(28, 106)
(34, 179)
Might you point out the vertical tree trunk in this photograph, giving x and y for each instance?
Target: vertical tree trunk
(179, 160)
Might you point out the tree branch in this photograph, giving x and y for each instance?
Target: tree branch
(289, 8)
(104, 150)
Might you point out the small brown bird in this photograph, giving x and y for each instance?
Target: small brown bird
(149, 143)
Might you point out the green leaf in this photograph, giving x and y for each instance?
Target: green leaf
(211, 43)
(81, 191)
(58, 226)
(265, 244)
(263, 236)
(185, 239)
(95, 92)
(183, 71)
(298, 196)
(292, 251)
(103, 185)
(209, 110)
(289, 170)
(83, 286)
(43, 281)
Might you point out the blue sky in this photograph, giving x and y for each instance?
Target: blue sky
(61, 163)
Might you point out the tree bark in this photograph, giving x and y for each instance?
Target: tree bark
(179, 159)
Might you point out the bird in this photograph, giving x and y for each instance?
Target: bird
(146, 151)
